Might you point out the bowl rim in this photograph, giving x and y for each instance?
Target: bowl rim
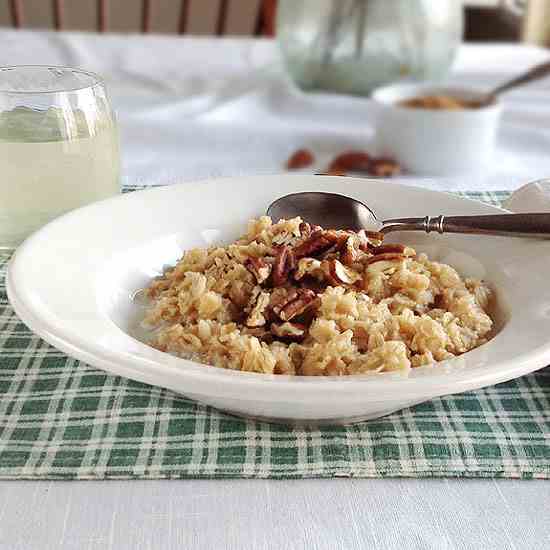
(437, 384)
(413, 89)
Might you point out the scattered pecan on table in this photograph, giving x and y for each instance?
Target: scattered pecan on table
(302, 158)
(361, 161)
(384, 168)
(355, 161)
(348, 161)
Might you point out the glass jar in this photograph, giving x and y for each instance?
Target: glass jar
(353, 46)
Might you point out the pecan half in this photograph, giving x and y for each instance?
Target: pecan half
(289, 331)
(259, 268)
(338, 274)
(358, 161)
(257, 315)
(300, 159)
(283, 264)
(384, 168)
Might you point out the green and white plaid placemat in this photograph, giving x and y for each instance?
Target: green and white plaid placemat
(61, 419)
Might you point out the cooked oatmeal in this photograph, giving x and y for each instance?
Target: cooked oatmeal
(439, 102)
(290, 298)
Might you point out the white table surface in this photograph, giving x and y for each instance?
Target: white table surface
(193, 108)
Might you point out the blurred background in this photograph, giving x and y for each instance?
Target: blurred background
(485, 20)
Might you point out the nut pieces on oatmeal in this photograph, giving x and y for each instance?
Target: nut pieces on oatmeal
(289, 298)
(289, 331)
(259, 268)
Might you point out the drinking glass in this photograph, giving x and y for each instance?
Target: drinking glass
(58, 146)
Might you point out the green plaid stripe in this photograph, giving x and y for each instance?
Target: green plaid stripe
(61, 419)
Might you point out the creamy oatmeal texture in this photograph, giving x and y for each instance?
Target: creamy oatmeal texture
(289, 298)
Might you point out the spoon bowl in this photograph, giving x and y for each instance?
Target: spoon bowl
(325, 209)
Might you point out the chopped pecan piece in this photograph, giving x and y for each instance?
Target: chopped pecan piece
(283, 264)
(315, 285)
(318, 242)
(285, 238)
(386, 256)
(289, 331)
(298, 307)
(351, 250)
(291, 260)
(308, 266)
(368, 239)
(338, 274)
(303, 300)
(371, 235)
(338, 237)
(280, 297)
(259, 268)
(259, 332)
(330, 253)
(382, 262)
(384, 168)
(397, 248)
(305, 230)
(257, 315)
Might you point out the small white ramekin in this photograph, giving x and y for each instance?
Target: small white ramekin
(436, 142)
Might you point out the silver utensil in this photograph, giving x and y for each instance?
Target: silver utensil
(535, 73)
(341, 212)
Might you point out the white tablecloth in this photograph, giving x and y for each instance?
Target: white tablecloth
(199, 107)
(193, 108)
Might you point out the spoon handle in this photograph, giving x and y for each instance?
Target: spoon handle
(538, 71)
(510, 225)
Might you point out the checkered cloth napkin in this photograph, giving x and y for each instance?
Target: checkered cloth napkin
(61, 419)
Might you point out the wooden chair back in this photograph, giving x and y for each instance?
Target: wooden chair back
(213, 17)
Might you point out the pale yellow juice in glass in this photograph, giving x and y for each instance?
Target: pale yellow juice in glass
(50, 165)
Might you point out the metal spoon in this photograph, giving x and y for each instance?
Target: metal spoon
(340, 212)
(537, 72)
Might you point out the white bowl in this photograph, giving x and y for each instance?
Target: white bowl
(436, 142)
(73, 283)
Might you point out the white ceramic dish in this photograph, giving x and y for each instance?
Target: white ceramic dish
(73, 283)
(436, 142)
(531, 197)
